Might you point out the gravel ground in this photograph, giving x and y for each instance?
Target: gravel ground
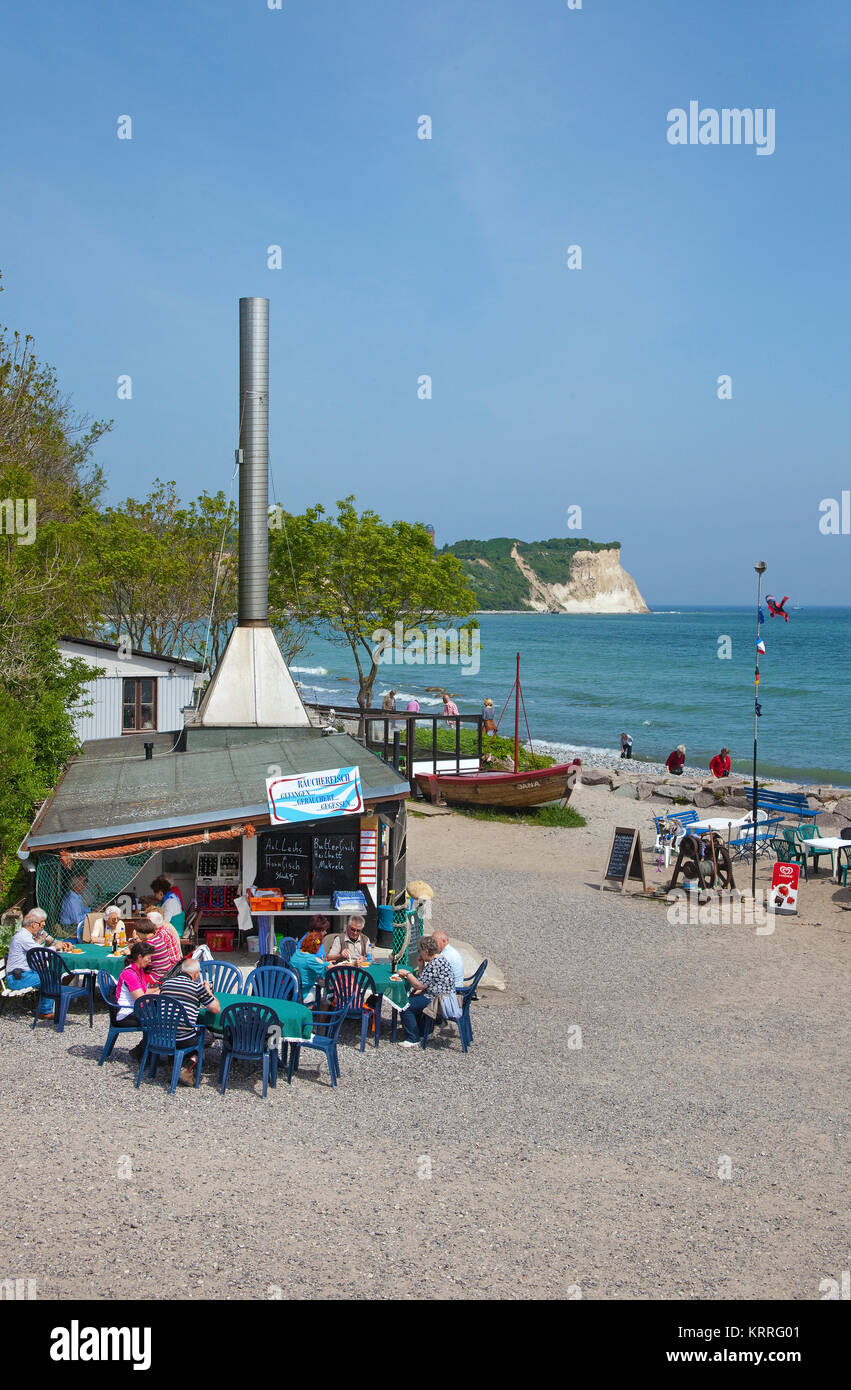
(528, 1169)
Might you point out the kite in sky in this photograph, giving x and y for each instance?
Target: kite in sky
(775, 609)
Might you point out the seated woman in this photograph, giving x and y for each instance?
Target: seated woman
(308, 966)
(676, 760)
(436, 979)
(321, 927)
(134, 982)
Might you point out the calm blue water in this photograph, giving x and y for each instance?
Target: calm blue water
(657, 675)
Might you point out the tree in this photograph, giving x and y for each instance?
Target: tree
(354, 574)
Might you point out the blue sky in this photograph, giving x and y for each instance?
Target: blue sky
(402, 256)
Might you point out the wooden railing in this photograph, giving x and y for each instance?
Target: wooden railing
(396, 742)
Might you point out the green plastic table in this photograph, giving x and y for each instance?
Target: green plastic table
(295, 1019)
(94, 957)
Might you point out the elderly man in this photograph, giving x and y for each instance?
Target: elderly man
(456, 960)
(349, 944)
(73, 909)
(195, 994)
(30, 934)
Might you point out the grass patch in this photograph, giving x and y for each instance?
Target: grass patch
(540, 815)
(498, 747)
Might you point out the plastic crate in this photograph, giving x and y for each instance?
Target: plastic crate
(219, 940)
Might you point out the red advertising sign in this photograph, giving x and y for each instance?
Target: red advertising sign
(784, 888)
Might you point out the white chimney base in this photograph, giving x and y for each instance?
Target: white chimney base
(251, 686)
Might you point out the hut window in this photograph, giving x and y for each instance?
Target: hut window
(139, 712)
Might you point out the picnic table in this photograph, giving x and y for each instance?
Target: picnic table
(91, 958)
(295, 1019)
(394, 991)
(832, 842)
(717, 823)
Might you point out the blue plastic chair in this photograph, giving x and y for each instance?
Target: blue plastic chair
(109, 995)
(272, 982)
(347, 986)
(160, 1019)
(245, 1037)
(466, 993)
(286, 949)
(269, 958)
(50, 967)
(224, 978)
(326, 1026)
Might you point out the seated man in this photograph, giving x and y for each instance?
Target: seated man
(350, 944)
(456, 960)
(436, 978)
(195, 994)
(164, 945)
(30, 934)
(308, 965)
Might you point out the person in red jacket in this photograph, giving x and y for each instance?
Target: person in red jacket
(720, 765)
(676, 760)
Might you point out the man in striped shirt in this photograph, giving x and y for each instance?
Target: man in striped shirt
(194, 994)
(163, 943)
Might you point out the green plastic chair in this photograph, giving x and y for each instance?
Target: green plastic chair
(844, 867)
(794, 853)
(805, 834)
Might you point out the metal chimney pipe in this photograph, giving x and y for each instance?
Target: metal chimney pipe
(254, 463)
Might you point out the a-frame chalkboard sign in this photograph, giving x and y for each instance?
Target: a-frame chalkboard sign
(624, 861)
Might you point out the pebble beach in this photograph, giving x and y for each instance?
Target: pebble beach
(573, 1152)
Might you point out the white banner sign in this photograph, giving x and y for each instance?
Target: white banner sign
(311, 795)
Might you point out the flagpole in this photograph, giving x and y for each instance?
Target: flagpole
(760, 570)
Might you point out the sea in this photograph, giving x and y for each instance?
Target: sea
(675, 675)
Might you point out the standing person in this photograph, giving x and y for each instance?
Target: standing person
(676, 760)
(413, 706)
(388, 704)
(436, 979)
(488, 721)
(720, 764)
(449, 708)
(170, 903)
(30, 933)
(73, 909)
(626, 746)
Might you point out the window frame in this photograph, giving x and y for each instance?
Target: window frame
(137, 705)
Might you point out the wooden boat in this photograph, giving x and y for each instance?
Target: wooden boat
(507, 790)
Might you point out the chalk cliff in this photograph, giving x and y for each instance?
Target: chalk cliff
(561, 575)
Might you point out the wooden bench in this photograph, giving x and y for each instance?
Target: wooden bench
(787, 803)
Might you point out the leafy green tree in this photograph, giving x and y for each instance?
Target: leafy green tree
(349, 575)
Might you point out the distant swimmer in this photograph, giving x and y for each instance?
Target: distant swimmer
(676, 761)
(626, 746)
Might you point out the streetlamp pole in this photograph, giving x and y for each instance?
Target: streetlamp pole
(760, 571)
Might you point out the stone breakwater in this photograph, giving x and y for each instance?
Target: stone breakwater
(651, 782)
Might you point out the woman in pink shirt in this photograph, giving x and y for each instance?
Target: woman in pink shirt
(134, 981)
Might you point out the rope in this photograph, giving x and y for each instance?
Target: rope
(175, 841)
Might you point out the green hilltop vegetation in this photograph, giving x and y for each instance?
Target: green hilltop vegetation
(499, 583)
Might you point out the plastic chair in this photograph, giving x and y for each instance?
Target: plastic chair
(794, 853)
(843, 868)
(109, 995)
(272, 982)
(466, 993)
(224, 978)
(348, 986)
(326, 1031)
(286, 949)
(805, 835)
(160, 1019)
(245, 1037)
(50, 968)
(269, 958)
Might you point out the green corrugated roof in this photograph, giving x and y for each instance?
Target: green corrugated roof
(113, 790)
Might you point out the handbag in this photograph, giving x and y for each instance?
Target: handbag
(432, 1008)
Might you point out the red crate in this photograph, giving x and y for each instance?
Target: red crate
(219, 940)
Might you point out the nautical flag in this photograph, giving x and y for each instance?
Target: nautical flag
(761, 615)
(758, 708)
(760, 646)
(756, 677)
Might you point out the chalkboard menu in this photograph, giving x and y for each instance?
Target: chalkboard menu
(305, 863)
(624, 861)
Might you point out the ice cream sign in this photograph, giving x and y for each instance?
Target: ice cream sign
(784, 888)
(311, 795)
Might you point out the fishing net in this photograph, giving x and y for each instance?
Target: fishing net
(403, 919)
(104, 879)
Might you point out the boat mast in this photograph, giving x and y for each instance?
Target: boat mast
(517, 713)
